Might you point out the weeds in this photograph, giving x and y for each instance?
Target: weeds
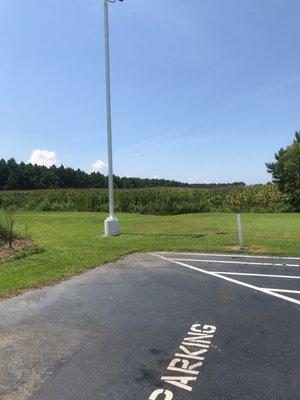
(7, 231)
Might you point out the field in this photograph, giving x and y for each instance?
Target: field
(73, 242)
(164, 201)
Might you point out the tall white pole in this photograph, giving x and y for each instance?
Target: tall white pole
(111, 224)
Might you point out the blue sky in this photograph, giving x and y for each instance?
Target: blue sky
(202, 90)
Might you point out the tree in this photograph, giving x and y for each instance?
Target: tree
(15, 177)
(286, 172)
(4, 174)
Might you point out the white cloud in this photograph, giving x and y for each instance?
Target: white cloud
(43, 157)
(99, 166)
(156, 177)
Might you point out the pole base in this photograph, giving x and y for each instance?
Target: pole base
(111, 227)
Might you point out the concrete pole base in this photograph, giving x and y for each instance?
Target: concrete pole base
(111, 227)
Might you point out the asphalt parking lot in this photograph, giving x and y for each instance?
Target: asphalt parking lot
(158, 326)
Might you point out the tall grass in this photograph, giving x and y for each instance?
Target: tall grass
(7, 232)
(260, 198)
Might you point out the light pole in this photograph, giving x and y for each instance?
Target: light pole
(111, 224)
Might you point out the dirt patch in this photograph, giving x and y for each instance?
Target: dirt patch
(248, 249)
(18, 245)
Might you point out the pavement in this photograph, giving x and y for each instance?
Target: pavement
(163, 326)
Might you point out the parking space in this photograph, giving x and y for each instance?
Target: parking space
(160, 326)
(278, 277)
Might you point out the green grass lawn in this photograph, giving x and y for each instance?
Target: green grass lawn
(73, 241)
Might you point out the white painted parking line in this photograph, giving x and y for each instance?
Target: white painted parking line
(263, 264)
(282, 290)
(230, 255)
(226, 278)
(263, 275)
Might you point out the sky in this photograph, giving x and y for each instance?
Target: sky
(202, 90)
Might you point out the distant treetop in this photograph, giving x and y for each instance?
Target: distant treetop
(21, 176)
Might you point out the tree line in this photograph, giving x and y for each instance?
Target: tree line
(22, 176)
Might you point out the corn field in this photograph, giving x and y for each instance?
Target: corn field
(259, 198)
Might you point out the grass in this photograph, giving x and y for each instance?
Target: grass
(7, 232)
(73, 242)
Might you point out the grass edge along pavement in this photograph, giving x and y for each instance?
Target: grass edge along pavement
(73, 241)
